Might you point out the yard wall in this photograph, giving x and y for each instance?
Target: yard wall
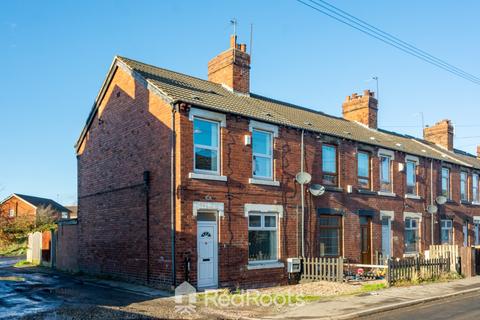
(66, 254)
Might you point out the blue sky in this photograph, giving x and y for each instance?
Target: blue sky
(54, 56)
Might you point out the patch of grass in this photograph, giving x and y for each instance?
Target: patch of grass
(15, 249)
(24, 263)
(416, 280)
(369, 287)
(11, 278)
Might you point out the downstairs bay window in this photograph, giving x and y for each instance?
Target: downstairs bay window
(446, 230)
(329, 235)
(412, 237)
(262, 237)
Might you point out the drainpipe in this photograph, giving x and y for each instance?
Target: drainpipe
(431, 201)
(146, 182)
(302, 196)
(173, 196)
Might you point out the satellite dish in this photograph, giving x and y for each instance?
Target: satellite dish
(441, 199)
(303, 177)
(316, 190)
(432, 209)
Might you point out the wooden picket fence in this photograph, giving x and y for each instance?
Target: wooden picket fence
(326, 269)
(415, 268)
(445, 251)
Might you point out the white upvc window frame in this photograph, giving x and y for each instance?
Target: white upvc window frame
(464, 185)
(217, 148)
(418, 219)
(262, 227)
(475, 184)
(265, 156)
(476, 228)
(11, 213)
(416, 162)
(448, 191)
(446, 224)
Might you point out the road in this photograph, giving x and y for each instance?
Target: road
(459, 308)
(33, 293)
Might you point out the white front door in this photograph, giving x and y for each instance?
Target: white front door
(386, 237)
(207, 274)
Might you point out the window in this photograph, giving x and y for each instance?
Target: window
(385, 176)
(463, 186)
(11, 213)
(446, 231)
(411, 235)
(465, 234)
(329, 164)
(475, 188)
(64, 215)
(476, 228)
(411, 177)
(363, 170)
(262, 237)
(330, 235)
(206, 141)
(446, 182)
(262, 154)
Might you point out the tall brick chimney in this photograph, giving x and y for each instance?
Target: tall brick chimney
(441, 134)
(232, 67)
(361, 109)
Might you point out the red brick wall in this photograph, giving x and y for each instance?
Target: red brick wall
(22, 209)
(66, 257)
(129, 135)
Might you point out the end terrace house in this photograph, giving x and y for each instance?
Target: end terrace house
(181, 178)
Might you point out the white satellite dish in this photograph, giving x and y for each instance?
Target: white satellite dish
(316, 190)
(441, 199)
(303, 177)
(432, 209)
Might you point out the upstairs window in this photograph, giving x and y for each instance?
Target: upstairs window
(446, 231)
(11, 213)
(262, 145)
(411, 177)
(463, 186)
(206, 140)
(446, 182)
(475, 188)
(363, 170)
(385, 173)
(329, 165)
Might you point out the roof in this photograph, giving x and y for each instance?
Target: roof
(176, 87)
(42, 202)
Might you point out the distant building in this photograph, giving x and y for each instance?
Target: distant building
(20, 205)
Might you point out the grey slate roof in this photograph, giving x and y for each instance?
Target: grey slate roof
(43, 202)
(202, 93)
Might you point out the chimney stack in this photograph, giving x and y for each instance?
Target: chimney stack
(232, 67)
(440, 134)
(362, 109)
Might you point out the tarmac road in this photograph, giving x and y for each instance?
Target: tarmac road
(461, 307)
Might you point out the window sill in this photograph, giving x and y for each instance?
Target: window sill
(465, 202)
(265, 265)
(366, 191)
(410, 254)
(386, 194)
(413, 196)
(475, 203)
(264, 182)
(333, 189)
(202, 176)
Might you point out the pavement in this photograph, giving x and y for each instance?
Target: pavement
(351, 307)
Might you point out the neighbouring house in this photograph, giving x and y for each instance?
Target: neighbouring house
(21, 205)
(186, 179)
(73, 211)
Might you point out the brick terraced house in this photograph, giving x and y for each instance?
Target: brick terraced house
(21, 205)
(181, 178)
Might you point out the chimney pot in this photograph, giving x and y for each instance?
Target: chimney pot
(231, 67)
(440, 134)
(362, 109)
